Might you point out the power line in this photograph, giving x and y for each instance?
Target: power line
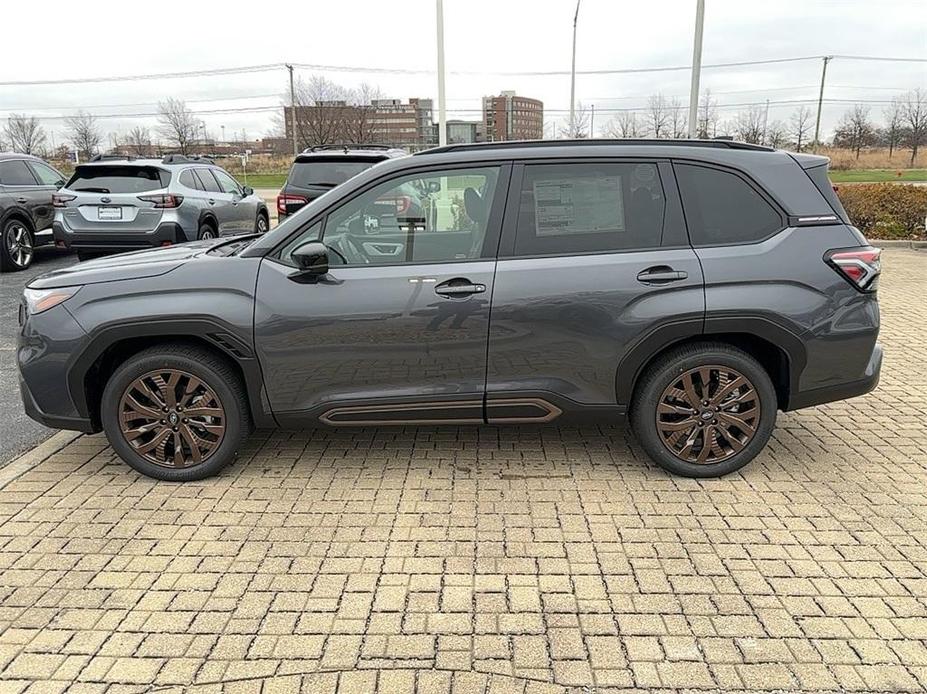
(407, 71)
(275, 95)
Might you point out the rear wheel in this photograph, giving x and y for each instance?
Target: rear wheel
(175, 413)
(206, 231)
(704, 410)
(16, 246)
(261, 224)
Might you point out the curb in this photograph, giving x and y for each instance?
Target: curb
(31, 458)
(890, 243)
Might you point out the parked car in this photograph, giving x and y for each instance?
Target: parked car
(319, 169)
(118, 203)
(697, 286)
(26, 187)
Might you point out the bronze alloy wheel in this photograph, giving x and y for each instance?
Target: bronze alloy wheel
(172, 418)
(707, 414)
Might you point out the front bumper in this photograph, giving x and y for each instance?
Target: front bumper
(53, 421)
(165, 233)
(842, 391)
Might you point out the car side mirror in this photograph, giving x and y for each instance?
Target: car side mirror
(311, 258)
(247, 190)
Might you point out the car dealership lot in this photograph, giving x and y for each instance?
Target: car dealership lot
(493, 559)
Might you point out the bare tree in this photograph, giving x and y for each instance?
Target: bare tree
(800, 126)
(177, 124)
(678, 119)
(139, 141)
(894, 125)
(777, 134)
(854, 130)
(625, 125)
(362, 125)
(748, 125)
(707, 124)
(579, 128)
(25, 134)
(914, 118)
(84, 134)
(321, 111)
(658, 115)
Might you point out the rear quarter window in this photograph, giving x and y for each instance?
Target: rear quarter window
(118, 179)
(722, 208)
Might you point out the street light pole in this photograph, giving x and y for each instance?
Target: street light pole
(442, 114)
(696, 66)
(817, 122)
(292, 107)
(573, 77)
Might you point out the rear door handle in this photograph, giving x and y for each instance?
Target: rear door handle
(459, 288)
(661, 274)
(211, 201)
(22, 200)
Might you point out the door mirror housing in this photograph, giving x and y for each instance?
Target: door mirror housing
(247, 190)
(311, 258)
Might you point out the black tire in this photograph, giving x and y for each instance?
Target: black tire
(261, 218)
(207, 231)
(665, 371)
(215, 372)
(17, 246)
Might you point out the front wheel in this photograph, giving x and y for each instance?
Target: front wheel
(261, 224)
(16, 246)
(175, 412)
(704, 410)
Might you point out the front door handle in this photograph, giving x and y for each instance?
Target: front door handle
(211, 201)
(22, 200)
(661, 274)
(459, 287)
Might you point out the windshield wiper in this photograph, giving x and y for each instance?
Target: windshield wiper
(91, 190)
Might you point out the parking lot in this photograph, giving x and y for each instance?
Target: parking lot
(514, 559)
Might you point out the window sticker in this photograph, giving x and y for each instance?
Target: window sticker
(574, 205)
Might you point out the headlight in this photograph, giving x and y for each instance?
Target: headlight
(38, 300)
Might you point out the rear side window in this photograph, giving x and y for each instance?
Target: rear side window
(722, 208)
(208, 181)
(326, 172)
(588, 208)
(16, 173)
(190, 181)
(118, 179)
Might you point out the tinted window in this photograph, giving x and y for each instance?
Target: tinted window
(207, 181)
(325, 173)
(16, 173)
(437, 216)
(118, 179)
(583, 208)
(47, 175)
(226, 182)
(722, 208)
(189, 180)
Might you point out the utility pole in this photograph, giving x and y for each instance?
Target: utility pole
(592, 122)
(573, 76)
(442, 113)
(292, 108)
(765, 121)
(817, 122)
(696, 66)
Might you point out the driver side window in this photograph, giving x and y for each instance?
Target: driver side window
(431, 217)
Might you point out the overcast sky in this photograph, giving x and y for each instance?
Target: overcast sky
(98, 38)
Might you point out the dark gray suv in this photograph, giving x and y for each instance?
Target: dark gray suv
(697, 286)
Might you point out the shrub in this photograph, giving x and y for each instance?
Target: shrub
(886, 210)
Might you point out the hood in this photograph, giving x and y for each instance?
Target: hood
(125, 266)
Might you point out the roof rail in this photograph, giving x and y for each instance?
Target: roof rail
(528, 144)
(186, 159)
(346, 146)
(112, 157)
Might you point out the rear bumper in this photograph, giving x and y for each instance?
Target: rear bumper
(166, 232)
(842, 391)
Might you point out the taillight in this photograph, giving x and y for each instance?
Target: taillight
(861, 266)
(61, 200)
(284, 199)
(163, 201)
(403, 203)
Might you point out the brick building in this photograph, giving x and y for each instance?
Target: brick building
(512, 117)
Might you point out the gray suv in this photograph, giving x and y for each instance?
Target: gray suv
(26, 187)
(121, 203)
(697, 286)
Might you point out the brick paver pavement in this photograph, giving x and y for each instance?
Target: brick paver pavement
(489, 560)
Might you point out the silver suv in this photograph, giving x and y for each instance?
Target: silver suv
(122, 203)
